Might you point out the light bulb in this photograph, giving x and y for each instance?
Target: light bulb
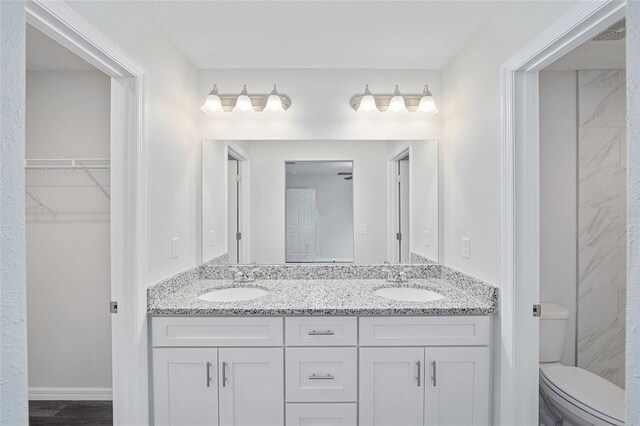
(397, 105)
(213, 104)
(427, 104)
(274, 103)
(243, 103)
(368, 102)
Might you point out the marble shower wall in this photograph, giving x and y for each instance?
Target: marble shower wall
(602, 223)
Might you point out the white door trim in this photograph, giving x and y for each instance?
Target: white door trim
(128, 199)
(244, 164)
(398, 153)
(517, 389)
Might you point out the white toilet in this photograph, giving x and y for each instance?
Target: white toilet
(576, 395)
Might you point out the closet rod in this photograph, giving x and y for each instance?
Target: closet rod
(67, 164)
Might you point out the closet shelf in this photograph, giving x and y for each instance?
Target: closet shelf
(57, 174)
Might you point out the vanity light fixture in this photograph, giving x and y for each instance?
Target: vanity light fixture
(273, 103)
(427, 105)
(396, 103)
(243, 103)
(368, 102)
(213, 104)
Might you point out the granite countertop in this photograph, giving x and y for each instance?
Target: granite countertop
(298, 297)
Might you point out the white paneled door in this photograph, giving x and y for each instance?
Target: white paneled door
(185, 386)
(301, 218)
(457, 380)
(251, 386)
(391, 386)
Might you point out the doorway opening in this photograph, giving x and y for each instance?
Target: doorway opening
(68, 234)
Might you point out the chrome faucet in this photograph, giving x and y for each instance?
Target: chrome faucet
(244, 277)
(398, 277)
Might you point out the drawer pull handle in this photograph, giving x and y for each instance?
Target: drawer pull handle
(208, 374)
(224, 374)
(418, 376)
(321, 333)
(434, 369)
(326, 377)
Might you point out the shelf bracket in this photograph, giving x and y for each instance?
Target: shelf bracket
(42, 207)
(98, 184)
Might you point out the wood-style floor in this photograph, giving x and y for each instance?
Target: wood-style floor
(45, 413)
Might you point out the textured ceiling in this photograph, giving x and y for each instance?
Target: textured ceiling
(320, 34)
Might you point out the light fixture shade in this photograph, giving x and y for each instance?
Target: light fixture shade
(243, 103)
(396, 104)
(427, 104)
(274, 103)
(368, 102)
(213, 104)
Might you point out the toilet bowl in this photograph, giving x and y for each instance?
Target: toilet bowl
(577, 396)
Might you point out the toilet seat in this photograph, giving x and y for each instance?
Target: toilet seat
(584, 393)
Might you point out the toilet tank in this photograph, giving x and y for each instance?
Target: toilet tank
(553, 330)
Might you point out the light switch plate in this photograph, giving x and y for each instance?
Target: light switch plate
(466, 248)
(427, 239)
(175, 252)
(363, 228)
(212, 238)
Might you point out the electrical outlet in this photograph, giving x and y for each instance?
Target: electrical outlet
(466, 248)
(363, 228)
(427, 239)
(175, 249)
(212, 238)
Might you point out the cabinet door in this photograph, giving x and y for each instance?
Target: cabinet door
(185, 386)
(457, 386)
(391, 386)
(251, 386)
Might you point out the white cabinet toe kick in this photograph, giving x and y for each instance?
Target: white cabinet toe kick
(321, 370)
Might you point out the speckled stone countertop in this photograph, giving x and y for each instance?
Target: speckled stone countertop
(298, 297)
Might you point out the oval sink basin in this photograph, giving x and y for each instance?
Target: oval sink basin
(408, 294)
(235, 294)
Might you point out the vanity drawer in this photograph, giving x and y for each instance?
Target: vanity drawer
(321, 414)
(321, 331)
(217, 331)
(424, 331)
(321, 374)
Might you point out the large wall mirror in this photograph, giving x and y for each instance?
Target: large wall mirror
(339, 201)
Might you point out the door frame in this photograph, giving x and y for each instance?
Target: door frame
(244, 170)
(396, 155)
(517, 386)
(130, 387)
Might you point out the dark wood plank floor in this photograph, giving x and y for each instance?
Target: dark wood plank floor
(45, 413)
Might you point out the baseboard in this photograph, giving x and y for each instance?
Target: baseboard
(70, 394)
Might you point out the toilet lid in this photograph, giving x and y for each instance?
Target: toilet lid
(586, 388)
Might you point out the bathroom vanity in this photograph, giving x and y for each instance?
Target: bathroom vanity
(322, 351)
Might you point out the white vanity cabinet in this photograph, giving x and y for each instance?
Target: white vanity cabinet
(344, 371)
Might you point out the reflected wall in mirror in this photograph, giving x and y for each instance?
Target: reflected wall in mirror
(302, 201)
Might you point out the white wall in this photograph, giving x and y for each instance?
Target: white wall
(68, 246)
(633, 214)
(13, 336)
(214, 199)
(558, 196)
(334, 201)
(320, 104)
(424, 198)
(172, 151)
(268, 195)
(472, 134)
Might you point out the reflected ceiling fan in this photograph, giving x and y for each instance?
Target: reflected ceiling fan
(349, 175)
